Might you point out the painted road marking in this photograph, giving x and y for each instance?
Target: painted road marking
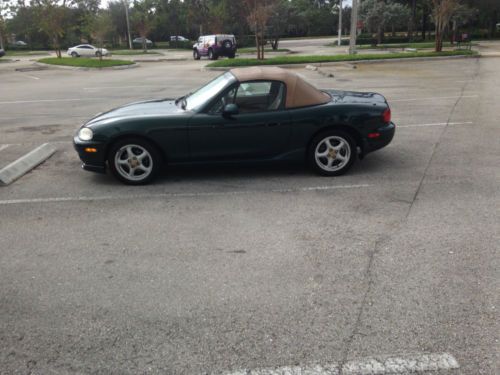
(410, 364)
(30, 76)
(434, 98)
(3, 147)
(175, 195)
(123, 87)
(435, 124)
(49, 100)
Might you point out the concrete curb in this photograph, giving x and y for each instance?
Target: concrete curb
(352, 62)
(119, 67)
(26, 163)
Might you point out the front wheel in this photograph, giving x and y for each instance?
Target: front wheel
(74, 54)
(196, 54)
(332, 153)
(134, 161)
(98, 54)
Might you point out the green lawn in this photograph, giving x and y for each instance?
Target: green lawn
(408, 45)
(26, 53)
(131, 52)
(84, 62)
(254, 50)
(282, 60)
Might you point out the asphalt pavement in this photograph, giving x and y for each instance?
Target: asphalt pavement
(229, 269)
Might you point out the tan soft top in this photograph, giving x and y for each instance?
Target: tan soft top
(299, 93)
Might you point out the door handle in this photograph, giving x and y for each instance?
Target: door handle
(273, 124)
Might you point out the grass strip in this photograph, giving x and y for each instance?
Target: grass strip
(26, 53)
(284, 60)
(84, 62)
(254, 50)
(133, 52)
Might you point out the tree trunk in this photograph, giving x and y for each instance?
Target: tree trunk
(379, 34)
(57, 48)
(424, 22)
(1, 40)
(275, 43)
(413, 19)
(144, 44)
(257, 46)
(439, 37)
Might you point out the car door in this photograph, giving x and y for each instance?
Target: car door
(261, 130)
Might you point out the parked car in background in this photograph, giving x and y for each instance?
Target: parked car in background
(20, 43)
(87, 50)
(2, 52)
(215, 46)
(178, 38)
(140, 40)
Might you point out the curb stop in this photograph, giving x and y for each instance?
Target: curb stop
(26, 163)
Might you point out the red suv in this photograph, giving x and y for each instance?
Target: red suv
(215, 46)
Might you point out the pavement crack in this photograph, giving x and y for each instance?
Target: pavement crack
(368, 275)
(436, 145)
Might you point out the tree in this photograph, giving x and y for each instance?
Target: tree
(142, 20)
(377, 13)
(278, 21)
(54, 20)
(442, 13)
(259, 12)
(102, 27)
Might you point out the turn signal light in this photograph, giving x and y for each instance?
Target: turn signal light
(386, 116)
(90, 149)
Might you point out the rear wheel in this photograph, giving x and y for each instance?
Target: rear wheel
(212, 55)
(98, 54)
(232, 55)
(332, 153)
(196, 54)
(74, 54)
(134, 161)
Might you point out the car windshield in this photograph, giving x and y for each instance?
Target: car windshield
(209, 91)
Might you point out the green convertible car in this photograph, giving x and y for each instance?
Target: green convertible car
(250, 114)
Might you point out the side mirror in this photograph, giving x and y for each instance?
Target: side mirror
(230, 110)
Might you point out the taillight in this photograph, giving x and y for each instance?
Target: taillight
(386, 116)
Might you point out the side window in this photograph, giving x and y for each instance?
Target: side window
(200, 40)
(260, 96)
(224, 99)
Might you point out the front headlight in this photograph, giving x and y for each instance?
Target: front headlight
(85, 134)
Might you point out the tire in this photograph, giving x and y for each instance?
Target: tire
(98, 54)
(332, 153)
(227, 44)
(232, 55)
(134, 161)
(196, 54)
(212, 55)
(74, 54)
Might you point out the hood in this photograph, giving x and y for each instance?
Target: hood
(162, 107)
(351, 97)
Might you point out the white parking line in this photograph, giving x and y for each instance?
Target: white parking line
(175, 195)
(49, 100)
(410, 364)
(30, 76)
(435, 124)
(3, 147)
(122, 87)
(433, 98)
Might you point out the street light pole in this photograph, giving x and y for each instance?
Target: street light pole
(340, 23)
(125, 3)
(354, 27)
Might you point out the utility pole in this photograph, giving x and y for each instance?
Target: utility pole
(354, 27)
(340, 23)
(125, 3)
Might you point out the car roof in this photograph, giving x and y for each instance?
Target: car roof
(299, 93)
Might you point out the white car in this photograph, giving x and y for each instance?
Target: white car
(178, 38)
(87, 50)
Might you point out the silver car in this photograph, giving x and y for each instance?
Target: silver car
(87, 50)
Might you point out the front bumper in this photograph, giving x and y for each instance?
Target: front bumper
(91, 161)
(386, 134)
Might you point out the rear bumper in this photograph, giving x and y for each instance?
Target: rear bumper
(91, 161)
(386, 134)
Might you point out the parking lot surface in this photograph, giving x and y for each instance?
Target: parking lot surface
(228, 268)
